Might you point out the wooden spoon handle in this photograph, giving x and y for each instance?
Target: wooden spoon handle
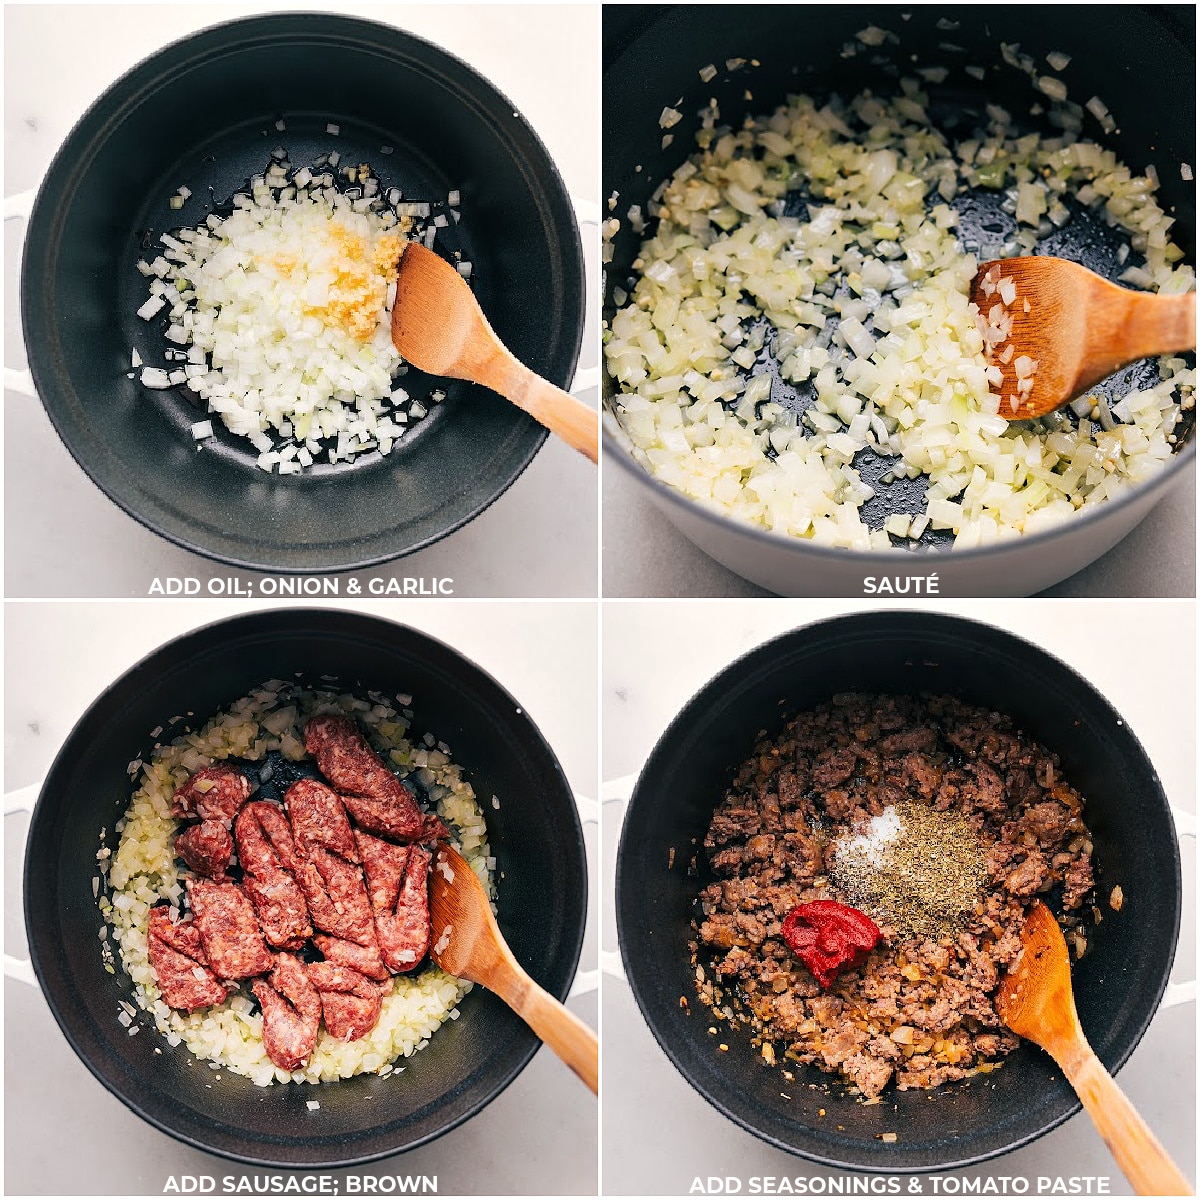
(561, 1030)
(1137, 1151)
(1153, 325)
(560, 412)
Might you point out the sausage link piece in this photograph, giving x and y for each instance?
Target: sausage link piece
(404, 933)
(384, 864)
(343, 908)
(433, 829)
(213, 794)
(180, 968)
(374, 797)
(233, 942)
(365, 959)
(277, 898)
(318, 818)
(350, 1002)
(205, 848)
(183, 937)
(291, 1010)
(334, 892)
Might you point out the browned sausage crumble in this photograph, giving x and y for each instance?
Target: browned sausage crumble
(925, 798)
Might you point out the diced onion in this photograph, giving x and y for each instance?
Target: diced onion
(872, 36)
(866, 300)
(280, 310)
(153, 377)
(151, 308)
(1054, 88)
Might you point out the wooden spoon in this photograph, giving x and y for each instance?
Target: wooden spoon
(475, 949)
(1035, 1001)
(1079, 329)
(438, 326)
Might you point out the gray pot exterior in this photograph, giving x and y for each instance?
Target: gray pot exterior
(794, 567)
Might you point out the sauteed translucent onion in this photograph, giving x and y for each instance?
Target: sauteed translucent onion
(865, 297)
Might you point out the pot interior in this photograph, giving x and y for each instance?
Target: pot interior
(202, 112)
(1118, 983)
(535, 837)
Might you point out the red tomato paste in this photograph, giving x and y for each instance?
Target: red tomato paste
(829, 937)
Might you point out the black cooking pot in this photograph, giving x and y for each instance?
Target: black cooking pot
(1141, 61)
(1118, 983)
(202, 112)
(535, 837)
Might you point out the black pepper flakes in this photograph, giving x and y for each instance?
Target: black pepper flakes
(914, 868)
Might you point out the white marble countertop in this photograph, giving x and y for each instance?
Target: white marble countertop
(63, 536)
(538, 1137)
(657, 655)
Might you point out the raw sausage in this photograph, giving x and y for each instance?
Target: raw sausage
(433, 829)
(350, 1002)
(291, 1013)
(229, 932)
(374, 797)
(384, 864)
(365, 959)
(205, 848)
(213, 794)
(183, 937)
(264, 847)
(404, 932)
(337, 897)
(398, 883)
(180, 968)
(319, 819)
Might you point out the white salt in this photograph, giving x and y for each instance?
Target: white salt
(878, 832)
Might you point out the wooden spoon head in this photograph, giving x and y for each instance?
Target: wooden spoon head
(1051, 334)
(1035, 998)
(437, 324)
(458, 903)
